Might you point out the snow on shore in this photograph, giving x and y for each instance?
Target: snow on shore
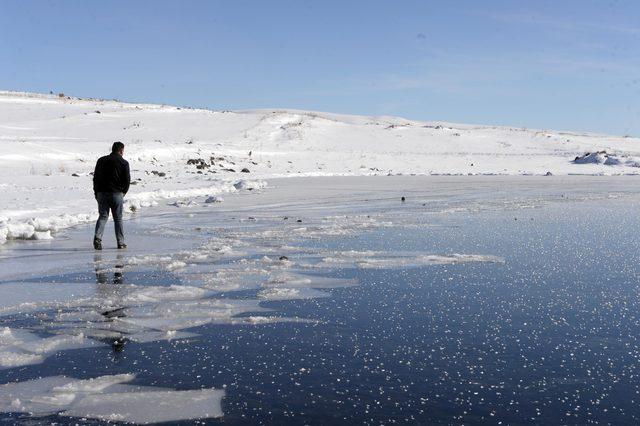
(50, 145)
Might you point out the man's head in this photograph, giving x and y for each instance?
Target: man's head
(117, 147)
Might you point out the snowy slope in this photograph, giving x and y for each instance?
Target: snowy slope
(50, 144)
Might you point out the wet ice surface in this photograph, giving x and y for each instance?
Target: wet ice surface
(470, 302)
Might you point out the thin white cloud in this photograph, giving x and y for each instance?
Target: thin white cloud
(569, 25)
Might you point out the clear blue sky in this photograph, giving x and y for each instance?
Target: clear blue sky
(563, 64)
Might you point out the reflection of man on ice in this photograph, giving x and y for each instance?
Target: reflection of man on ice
(112, 294)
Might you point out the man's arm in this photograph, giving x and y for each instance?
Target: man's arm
(96, 177)
(127, 179)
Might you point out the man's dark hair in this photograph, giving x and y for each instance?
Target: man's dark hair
(117, 146)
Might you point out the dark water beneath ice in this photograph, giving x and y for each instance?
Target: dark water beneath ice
(550, 336)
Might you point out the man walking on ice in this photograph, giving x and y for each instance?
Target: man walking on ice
(111, 180)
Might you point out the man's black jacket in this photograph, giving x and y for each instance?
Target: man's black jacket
(111, 174)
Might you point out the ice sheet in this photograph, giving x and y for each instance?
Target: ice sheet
(272, 252)
(25, 296)
(150, 407)
(108, 398)
(22, 347)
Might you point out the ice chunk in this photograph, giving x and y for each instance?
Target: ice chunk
(56, 400)
(94, 385)
(149, 259)
(108, 398)
(168, 324)
(179, 315)
(21, 347)
(250, 184)
(27, 396)
(229, 279)
(150, 294)
(295, 280)
(291, 293)
(40, 228)
(48, 345)
(20, 231)
(176, 264)
(156, 336)
(183, 203)
(12, 358)
(44, 235)
(150, 407)
(271, 320)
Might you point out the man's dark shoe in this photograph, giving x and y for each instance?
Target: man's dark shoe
(122, 246)
(114, 313)
(97, 244)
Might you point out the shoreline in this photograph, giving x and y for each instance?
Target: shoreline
(51, 145)
(46, 228)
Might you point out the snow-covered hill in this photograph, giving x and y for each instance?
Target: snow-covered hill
(50, 144)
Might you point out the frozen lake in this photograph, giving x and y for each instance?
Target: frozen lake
(498, 300)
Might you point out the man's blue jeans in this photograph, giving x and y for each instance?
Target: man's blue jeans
(110, 201)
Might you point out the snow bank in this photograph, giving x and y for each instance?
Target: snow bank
(602, 157)
(162, 194)
(42, 228)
